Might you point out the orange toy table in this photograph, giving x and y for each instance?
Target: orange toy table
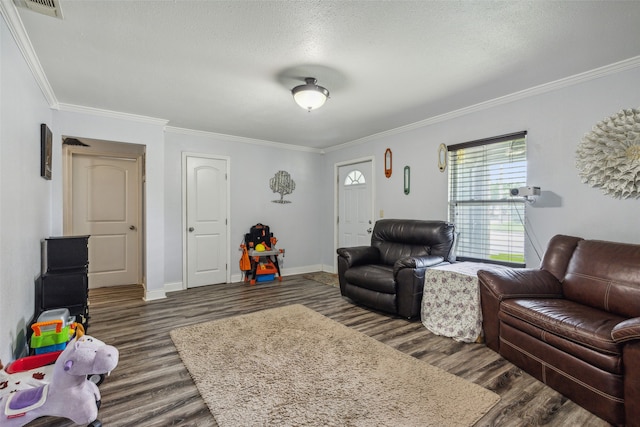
(264, 264)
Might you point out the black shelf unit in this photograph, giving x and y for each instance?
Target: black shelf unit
(64, 282)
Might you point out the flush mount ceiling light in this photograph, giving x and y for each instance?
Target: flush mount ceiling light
(310, 96)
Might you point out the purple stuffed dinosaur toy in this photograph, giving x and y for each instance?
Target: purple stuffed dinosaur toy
(70, 394)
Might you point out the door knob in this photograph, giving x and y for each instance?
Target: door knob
(369, 230)
(132, 227)
(191, 229)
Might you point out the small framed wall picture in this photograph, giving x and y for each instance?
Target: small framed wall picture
(46, 151)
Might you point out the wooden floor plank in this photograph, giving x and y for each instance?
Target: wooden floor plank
(150, 387)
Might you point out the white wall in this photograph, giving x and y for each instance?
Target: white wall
(25, 197)
(137, 131)
(556, 122)
(252, 165)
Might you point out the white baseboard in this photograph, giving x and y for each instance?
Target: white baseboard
(301, 270)
(328, 268)
(154, 295)
(172, 287)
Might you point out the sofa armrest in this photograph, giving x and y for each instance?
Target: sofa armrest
(627, 330)
(416, 262)
(520, 283)
(358, 255)
(496, 286)
(409, 275)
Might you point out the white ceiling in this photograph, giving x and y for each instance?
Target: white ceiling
(228, 66)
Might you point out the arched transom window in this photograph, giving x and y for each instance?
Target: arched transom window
(354, 177)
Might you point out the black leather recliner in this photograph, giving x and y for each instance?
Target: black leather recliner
(389, 274)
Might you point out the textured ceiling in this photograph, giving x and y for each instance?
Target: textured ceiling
(228, 66)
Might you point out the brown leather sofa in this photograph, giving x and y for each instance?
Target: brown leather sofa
(389, 274)
(573, 324)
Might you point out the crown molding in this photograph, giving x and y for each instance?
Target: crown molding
(16, 27)
(586, 76)
(241, 139)
(111, 114)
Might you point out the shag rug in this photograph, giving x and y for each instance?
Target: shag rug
(323, 277)
(292, 366)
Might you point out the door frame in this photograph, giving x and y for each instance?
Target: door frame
(336, 197)
(185, 233)
(111, 149)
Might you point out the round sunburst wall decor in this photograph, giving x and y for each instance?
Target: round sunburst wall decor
(609, 156)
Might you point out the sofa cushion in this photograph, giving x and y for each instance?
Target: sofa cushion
(390, 252)
(373, 277)
(377, 300)
(558, 254)
(605, 275)
(606, 362)
(599, 391)
(582, 324)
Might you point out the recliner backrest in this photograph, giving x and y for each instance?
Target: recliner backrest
(400, 238)
(558, 254)
(605, 275)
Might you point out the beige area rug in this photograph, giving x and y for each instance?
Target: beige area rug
(292, 366)
(322, 277)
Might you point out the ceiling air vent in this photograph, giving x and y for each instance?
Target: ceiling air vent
(45, 7)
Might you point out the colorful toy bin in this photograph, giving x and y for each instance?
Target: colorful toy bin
(52, 331)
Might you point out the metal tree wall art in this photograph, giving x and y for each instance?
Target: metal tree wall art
(609, 156)
(283, 184)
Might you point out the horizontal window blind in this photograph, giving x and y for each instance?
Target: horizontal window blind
(490, 222)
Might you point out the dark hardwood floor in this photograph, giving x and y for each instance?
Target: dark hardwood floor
(151, 387)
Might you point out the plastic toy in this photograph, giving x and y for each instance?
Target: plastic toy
(46, 340)
(259, 260)
(32, 362)
(69, 394)
(245, 262)
(27, 372)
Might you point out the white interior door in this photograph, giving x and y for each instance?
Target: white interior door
(106, 204)
(206, 221)
(355, 204)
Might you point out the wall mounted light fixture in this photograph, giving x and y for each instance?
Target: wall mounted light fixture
(310, 96)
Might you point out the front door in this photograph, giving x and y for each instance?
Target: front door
(106, 204)
(206, 221)
(355, 206)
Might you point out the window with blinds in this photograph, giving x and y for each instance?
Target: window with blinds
(490, 222)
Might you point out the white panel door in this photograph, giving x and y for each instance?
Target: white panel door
(355, 220)
(206, 215)
(105, 205)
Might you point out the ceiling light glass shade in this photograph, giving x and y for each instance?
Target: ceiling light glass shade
(310, 96)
